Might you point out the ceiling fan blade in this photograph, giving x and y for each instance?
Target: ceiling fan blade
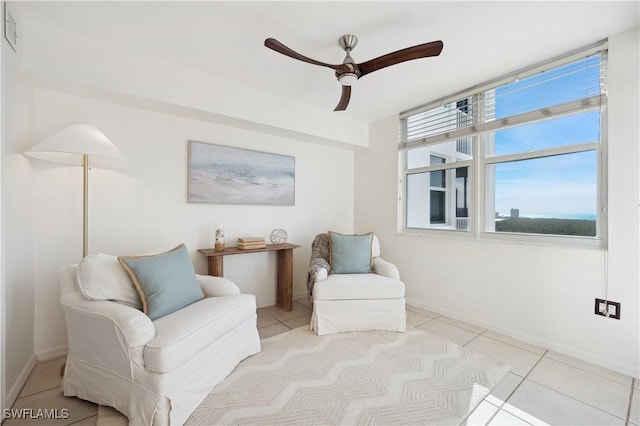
(274, 44)
(420, 51)
(344, 99)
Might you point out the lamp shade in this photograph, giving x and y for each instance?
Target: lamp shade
(71, 144)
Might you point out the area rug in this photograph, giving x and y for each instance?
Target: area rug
(370, 377)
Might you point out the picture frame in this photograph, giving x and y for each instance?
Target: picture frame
(10, 29)
(220, 174)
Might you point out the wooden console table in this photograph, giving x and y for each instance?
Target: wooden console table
(285, 268)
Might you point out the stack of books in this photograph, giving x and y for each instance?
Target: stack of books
(251, 243)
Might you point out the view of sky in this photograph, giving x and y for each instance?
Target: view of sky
(559, 186)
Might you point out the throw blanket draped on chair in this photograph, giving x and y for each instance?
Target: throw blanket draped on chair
(319, 260)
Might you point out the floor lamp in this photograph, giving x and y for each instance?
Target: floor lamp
(81, 145)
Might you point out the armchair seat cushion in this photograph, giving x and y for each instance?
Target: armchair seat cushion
(358, 287)
(182, 334)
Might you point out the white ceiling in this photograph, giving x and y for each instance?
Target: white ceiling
(482, 40)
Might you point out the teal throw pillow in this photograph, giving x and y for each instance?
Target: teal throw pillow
(350, 254)
(166, 282)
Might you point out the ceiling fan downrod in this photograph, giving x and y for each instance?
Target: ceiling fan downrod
(348, 42)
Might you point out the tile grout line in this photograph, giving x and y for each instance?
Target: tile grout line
(572, 397)
(37, 393)
(31, 374)
(477, 333)
(597, 375)
(482, 333)
(485, 398)
(590, 372)
(422, 323)
(577, 400)
(81, 420)
(544, 355)
(473, 339)
(424, 315)
(514, 346)
(464, 328)
(516, 388)
(562, 393)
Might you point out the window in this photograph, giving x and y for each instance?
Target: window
(517, 158)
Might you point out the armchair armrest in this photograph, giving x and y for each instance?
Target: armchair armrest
(318, 270)
(217, 286)
(134, 325)
(321, 274)
(104, 333)
(385, 268)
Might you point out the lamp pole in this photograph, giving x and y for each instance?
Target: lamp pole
(85, 205)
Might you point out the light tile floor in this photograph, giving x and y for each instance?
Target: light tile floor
(543, 387)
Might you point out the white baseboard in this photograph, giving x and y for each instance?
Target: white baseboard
(271, 302)
(622, 368)
(52, 353)
(13, 393)
(265, 303)
(301, 295)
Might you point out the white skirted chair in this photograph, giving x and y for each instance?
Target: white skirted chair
(152, 356)
(352, 287)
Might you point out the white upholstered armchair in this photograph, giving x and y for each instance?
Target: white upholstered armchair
(353, 289)
(153, 371)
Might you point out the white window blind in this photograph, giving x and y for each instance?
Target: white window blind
(561, 87)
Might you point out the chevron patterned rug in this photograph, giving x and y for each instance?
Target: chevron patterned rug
(368, 377)
(372, 377)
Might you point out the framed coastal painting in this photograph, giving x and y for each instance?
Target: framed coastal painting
(222, 174)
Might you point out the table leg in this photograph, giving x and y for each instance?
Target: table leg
(285, 279)
(216, 266)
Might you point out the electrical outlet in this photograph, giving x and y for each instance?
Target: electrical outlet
(607, 308)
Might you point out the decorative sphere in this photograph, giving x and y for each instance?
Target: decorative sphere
(278, 236)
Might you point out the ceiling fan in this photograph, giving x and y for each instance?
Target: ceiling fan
(348, 72)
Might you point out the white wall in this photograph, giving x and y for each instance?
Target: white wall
(144, 208)
(543, 295)
(17, 223)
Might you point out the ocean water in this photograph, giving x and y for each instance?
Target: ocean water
(576, 216)
(245, 174)
(242, 184)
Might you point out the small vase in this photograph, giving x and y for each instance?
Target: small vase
(219, 243)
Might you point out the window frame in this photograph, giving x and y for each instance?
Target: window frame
(439, 189)
(477, 166)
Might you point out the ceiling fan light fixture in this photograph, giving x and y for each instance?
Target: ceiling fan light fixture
(348, 79)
